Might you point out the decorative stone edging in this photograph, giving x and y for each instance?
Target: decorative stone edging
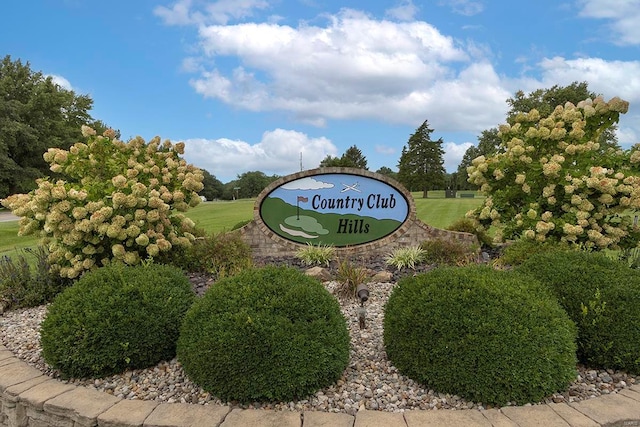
(29, 398)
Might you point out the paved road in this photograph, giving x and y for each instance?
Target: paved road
(8, 216)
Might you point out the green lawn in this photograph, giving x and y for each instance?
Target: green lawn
(441, 213)
(222, 215)
(436, 211)
(10, 242)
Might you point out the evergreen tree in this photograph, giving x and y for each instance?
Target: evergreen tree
(421, 162)
(352, 158)
(386, 171)
(330, 161)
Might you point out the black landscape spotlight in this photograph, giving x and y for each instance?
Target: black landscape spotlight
(362, 291)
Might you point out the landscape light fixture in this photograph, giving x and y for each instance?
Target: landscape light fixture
(362, 291)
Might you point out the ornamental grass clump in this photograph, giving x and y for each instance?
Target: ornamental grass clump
(551, 179)
(118, 201)
(490, 336)
(407, 257)
(116, 318)
(349, 276)
(316, 254)
(268, 333)
(602, 296)
(22, 285)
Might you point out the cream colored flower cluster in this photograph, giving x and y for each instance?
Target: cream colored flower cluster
(121, 200)
(551, 180)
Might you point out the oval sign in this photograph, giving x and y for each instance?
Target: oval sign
(338, 209)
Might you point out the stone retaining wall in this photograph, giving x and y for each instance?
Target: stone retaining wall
(264, 242)
(29, 398)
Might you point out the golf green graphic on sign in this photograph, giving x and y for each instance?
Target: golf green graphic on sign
(339, 209)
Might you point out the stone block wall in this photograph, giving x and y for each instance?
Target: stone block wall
(265, 243)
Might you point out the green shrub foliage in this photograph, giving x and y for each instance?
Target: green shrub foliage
(222, 254)
(267, 333)
(115, 318)
(467, 225)
(517, 252)
(489, 336)
(439, 251)
(602, 296)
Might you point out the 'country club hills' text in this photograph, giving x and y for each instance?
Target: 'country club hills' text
(353, 226)
(373, 201)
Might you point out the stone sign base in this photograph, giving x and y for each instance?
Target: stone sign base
(264, 243)
(378, 215)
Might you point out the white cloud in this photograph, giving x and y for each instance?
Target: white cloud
(464, 7)
(355, 67)
(405, 11)
(60, 81)
(453, 154)
(184, 12)
(277, 153)
(178, 14)
(628, 136)
(611, 78)
(385, 150)
(623, 16)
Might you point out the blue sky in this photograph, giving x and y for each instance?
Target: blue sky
(259, 84)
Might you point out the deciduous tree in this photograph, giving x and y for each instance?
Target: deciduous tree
(247, 185)
(213, 188)
(35, 114)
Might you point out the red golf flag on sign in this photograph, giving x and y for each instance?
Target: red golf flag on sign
(303, 199)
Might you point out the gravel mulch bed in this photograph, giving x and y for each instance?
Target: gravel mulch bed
(370, 380)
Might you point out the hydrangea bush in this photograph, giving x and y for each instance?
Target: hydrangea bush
(120, 200)
(552, 181)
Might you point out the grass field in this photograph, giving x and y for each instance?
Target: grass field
(214, 217)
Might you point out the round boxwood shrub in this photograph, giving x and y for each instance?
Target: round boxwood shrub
(602, 296)
(114, 318)
(268, 333)
(489, 336)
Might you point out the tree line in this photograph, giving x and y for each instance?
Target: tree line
(37, 114)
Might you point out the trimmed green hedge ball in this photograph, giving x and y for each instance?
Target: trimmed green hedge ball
(602, 296)
(116, 318)
(489, 336)
(268, 333)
